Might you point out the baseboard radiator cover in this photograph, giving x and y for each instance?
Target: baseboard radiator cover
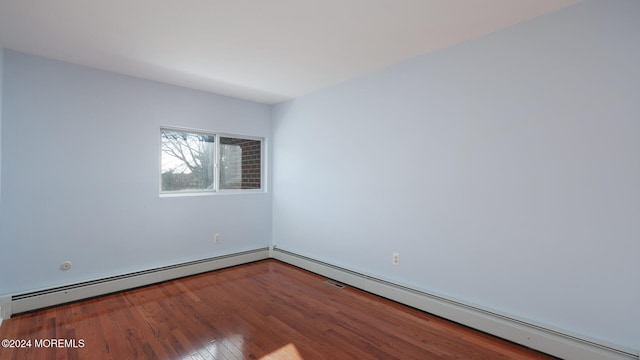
(537, 337)
(33, 300)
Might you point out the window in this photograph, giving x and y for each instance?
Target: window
(207, 162)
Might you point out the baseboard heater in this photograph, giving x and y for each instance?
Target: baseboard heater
(554, 342)
(33, 300)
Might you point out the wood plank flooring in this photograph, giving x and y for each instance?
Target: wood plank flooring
(262, 310)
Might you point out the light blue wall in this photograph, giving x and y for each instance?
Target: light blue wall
(504, 170)
(81, 176)
(1, 72)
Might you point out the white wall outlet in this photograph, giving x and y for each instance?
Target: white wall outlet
(65, 265)
(396, 259)
(216, 238)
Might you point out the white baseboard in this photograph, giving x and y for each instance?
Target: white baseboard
(5, 307)
(33, 300)
(553, 342)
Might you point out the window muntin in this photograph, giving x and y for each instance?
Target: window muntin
(193, 162)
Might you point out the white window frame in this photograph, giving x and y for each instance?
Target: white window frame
(216, 165)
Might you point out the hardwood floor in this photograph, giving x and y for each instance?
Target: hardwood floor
(262, 310)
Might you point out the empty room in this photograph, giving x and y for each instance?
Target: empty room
(355, 179)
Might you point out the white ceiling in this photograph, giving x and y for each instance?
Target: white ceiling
(262, 50)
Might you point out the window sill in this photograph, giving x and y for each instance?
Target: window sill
(210, 193)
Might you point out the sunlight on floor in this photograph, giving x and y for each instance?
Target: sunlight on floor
(288, 351)
(230, 347)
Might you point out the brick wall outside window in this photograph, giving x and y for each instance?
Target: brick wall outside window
(241, 169)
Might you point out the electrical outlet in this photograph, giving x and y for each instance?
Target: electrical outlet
(396, 259)
(216, 238)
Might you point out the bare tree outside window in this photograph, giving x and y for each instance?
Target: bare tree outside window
(187, 161)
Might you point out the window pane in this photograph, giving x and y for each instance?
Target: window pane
(187, 161)
(240, 163)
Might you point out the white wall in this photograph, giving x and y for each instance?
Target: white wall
(81, 170)
(504, 170)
